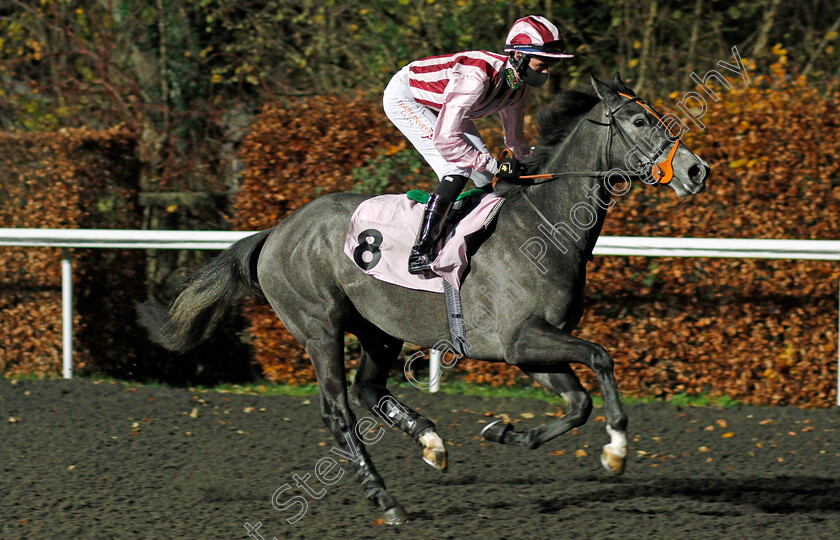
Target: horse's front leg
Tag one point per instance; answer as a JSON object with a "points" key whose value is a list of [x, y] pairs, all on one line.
{"points": [[542, 348]]}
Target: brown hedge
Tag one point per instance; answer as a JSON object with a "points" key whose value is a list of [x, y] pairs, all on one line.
{"points": [[75, 178], [763, 332]]}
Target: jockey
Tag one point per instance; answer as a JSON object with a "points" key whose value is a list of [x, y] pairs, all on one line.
{"points": [[434, 101]]}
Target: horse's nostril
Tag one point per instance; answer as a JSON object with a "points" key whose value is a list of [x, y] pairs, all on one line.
{"points": [[697, 173]]}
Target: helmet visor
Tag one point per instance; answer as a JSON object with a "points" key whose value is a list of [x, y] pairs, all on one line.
{"points": [[553, 49]]}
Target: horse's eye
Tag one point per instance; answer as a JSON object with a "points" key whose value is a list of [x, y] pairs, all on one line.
{"points": [[639, 122]]}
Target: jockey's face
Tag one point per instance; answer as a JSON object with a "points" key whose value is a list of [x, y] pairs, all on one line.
{"points": [[539, 65]]}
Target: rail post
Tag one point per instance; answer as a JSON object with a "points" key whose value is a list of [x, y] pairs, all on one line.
{"points": [[67, 314], [434, 370]]}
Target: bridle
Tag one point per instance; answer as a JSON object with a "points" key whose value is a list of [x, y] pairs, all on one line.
{"points": [[662, 171]]}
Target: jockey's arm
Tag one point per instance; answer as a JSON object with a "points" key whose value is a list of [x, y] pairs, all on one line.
{"points": [[459, 98], [513, 122]]}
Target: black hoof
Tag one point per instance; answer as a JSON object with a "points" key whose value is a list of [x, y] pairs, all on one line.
{"points": [[495, 431], [395, 516]]}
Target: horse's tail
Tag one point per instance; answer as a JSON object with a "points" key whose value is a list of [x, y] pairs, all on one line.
{"points": [[210, 292]]}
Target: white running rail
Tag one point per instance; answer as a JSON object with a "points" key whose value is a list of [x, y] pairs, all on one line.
{"points": [[828, 250]]}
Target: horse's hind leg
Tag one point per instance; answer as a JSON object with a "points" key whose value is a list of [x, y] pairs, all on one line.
{"points": [[564, 383], [328, 358], [379, 351]]}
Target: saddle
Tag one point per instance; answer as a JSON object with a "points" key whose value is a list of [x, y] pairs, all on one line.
{"points": [[383, 229]]}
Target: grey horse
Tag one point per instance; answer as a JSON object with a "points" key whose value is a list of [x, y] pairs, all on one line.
{"points": [[523, 295]]}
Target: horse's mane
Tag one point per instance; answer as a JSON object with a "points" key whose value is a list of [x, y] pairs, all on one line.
{"points": [[554, 123]]}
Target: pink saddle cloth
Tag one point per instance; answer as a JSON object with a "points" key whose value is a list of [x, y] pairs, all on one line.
{"points": [[383, 230]]}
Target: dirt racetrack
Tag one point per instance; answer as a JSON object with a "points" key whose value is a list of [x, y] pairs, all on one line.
{"points": [[82, 459]]}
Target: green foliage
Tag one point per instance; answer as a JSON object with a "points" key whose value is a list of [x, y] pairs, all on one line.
{"points": [[386, 169], [703, 400]]}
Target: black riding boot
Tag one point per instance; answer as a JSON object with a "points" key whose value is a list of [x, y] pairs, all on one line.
{"points": [[434, 220]]}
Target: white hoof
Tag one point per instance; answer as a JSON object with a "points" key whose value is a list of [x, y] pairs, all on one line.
{"points": [[434, 451], [613, 462]]}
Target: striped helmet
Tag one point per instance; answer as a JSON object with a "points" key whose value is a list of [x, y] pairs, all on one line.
{"points": [[536, 36]]}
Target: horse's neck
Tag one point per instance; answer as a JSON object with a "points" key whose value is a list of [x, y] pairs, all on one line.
{"points": [[569, 200]]}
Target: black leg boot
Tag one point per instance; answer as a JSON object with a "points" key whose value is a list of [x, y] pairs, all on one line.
{"points": [[431, 227]]}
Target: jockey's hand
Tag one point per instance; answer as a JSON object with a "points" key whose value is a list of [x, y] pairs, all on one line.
{"points": [[510, 169]]}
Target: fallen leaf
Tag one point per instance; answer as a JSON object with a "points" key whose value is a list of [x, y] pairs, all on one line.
{"points": [[580, 453], [721, 422], [728, 435], [194, 413], [765, 422], [527, 415], [557, 453], [704, 449]]}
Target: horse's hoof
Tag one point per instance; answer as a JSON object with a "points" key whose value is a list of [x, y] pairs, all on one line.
{"points": [[495, 431], [613, 462], [434, 451], [395, 516]]}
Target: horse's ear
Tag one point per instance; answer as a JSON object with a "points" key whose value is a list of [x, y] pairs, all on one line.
{"points": [[618, 83], [609, 96]]}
